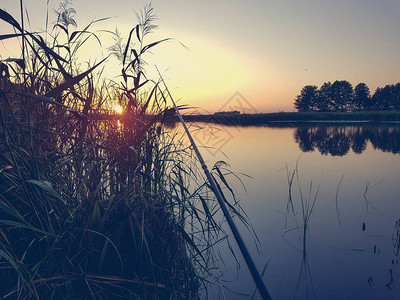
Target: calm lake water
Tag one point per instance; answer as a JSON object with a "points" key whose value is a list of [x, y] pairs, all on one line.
{"points": [[353, 229]]}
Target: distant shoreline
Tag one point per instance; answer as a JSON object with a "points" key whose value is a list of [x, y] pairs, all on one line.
{"points": [[297, 118]]}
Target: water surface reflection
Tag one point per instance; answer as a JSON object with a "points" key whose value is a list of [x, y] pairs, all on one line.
{"points": [[347, 245], [337, 140]]}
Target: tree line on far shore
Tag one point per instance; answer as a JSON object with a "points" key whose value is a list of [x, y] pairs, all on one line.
{"points": [[340, 96]]}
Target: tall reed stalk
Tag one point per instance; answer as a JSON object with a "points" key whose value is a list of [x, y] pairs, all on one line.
{"points": [[305, 204]]}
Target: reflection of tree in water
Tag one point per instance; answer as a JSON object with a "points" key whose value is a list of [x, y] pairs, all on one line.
{"points": [[359, 141], [337, 141], [387, 140]]}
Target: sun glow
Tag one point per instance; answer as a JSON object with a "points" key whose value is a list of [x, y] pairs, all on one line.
{"points": [[118, 109]]}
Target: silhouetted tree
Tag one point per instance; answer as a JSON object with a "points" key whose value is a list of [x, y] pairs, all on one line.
{"points": [[362, 97], [324, 97], [376, 99], [342, 95], [307, 99], [395, 103], [382, 98]]}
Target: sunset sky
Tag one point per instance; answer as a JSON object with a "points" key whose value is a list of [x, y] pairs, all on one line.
{"points": [[265, 50]]}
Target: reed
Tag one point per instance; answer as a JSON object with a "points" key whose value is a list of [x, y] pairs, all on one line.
{"points": [[95, 204], [305, 203]]}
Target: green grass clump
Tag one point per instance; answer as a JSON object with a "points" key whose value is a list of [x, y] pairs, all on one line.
{"points": [[94, 204]]}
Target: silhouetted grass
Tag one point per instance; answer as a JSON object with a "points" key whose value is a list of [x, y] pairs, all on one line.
{"points": [[93, 206]]}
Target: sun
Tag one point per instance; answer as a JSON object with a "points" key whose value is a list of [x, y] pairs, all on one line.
{"points": [[118, 108]]}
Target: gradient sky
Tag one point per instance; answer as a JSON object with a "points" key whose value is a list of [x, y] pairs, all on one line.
{"points": [[266, 50]]}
